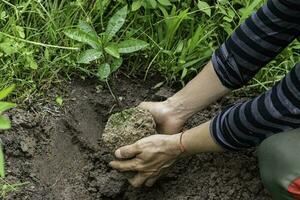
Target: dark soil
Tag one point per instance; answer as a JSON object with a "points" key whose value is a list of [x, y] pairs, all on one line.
{"points": [[60, 153]]}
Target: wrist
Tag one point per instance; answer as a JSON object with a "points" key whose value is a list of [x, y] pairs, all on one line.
{"points": [[176, 107], [177, 145], [174, 144]]}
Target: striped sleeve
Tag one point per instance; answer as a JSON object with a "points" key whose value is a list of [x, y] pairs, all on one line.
{"points": [[264, 35], [257, 41], [247, 124]]}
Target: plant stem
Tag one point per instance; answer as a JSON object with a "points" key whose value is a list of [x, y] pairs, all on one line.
{"points": [[39, 43], [113, 94], [116, 98]]}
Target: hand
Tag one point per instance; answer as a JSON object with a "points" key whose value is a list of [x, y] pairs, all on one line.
{"points": [[149, 157], [167, 116]]}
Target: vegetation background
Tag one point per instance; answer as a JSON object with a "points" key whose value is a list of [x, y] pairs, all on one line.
{"points": [[35, 52]]}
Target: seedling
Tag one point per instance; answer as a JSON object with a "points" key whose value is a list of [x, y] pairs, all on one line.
{"points": [[104, 48]]}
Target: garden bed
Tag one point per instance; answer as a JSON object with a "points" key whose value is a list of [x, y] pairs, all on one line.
{"points": [[58, 151]]}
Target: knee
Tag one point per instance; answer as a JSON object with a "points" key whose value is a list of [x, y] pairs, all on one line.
{"points": [[270, 157], [275, 155]]}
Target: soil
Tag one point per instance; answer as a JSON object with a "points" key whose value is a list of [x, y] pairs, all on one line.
{"points": [[59, 152], [127, 127]]}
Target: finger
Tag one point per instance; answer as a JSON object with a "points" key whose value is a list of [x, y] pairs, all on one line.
{"points": [[150, 182], [128, 151], [139, 179], [125, 165]]}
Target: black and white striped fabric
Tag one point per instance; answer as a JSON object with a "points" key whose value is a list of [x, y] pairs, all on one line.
{"points": [[256, 42]]}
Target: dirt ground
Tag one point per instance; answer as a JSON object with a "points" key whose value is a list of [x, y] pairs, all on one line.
{"points": [[58, 150]]}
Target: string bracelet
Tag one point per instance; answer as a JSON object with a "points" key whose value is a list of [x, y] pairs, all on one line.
{"points": [[181, 146]]}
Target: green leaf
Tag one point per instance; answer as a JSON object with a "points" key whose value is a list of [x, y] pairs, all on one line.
{"points": [[116, 65], [31, 62], [8, 47], [2, 162], [89, 55], [59, 100], [20, 31], [4, 123], [104, 71], [112, 50], [85, 27], [81, 36], [204, 7], [6, 106], [131, 45], [136, 5], [184, 73], [165, 2], [5, 92], [116, 22], [153, 3]]}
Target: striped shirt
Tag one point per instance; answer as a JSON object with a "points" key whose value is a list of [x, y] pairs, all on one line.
{"points": [[252, 46]]}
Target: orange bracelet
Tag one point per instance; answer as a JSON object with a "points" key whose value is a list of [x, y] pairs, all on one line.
{"points": [[182, 148]]}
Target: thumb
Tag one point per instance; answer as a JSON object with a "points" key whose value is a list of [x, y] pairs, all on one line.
{"points": [[128, 151]]}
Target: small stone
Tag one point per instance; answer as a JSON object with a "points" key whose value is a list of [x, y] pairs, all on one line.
{"points": [[24, 146], [127, 127]]}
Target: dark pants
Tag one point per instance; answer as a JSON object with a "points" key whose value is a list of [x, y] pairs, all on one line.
{"points": [[279, 161]]}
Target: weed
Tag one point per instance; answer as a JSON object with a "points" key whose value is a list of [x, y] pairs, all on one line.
{"points": [[103, 47]]}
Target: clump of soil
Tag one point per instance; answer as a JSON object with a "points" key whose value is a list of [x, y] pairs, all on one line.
{"points": [[127, 127]]}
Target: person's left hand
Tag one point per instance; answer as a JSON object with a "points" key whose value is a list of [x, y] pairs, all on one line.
{"points": [[149, 157]]}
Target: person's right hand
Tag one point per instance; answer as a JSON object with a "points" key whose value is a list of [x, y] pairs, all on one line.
{"points": [[165, 117], [150, 157]]}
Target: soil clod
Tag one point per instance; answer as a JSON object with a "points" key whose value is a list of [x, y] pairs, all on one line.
{"points": [[127, 127]]}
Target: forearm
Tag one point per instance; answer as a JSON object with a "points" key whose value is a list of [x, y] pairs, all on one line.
{"points": [[247, 124], [256, 42], [204, 89], [198, 140]]}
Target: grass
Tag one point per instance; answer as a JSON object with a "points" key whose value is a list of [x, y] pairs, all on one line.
{"points": [[35, 53], [6, 187]]}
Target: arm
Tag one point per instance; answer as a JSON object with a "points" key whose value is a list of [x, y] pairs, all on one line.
{"points": [[254, 44], [247, 124], [171, 114], [203, 90]]}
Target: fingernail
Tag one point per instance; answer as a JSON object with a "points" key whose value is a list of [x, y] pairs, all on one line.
{"points": [[118, 153]]}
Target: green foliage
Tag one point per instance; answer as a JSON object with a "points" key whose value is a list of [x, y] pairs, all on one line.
{"points": [[150, 4], [105, 50], [59, 100], [4, 106], [204, 7], [4, 122], [39, 40], [115, 23]]}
